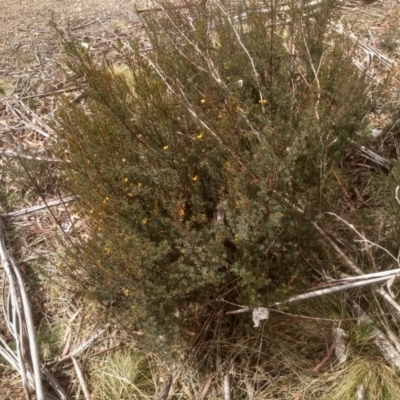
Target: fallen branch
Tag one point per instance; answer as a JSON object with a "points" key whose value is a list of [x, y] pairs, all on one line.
{"points": [[29, 210], [81, 379], [227, 387], [372, 156], [165, 388], [18, 317], [20, 116], [369, 50], [389, 352], [11, 153], [20, 307], [80, 348], [357, 270], [337, 286]]}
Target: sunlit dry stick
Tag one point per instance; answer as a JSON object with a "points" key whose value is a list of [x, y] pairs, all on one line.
{"points": [[29, 210], [81, 379], [13, 272]]}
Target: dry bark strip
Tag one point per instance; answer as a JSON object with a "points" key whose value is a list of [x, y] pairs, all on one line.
{"points": [[384, 345], [18, 316]]}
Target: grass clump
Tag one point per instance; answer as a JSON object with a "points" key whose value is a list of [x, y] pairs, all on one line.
{"points": [[5, 88], [366, 376], [123, 375], [200, 170]]}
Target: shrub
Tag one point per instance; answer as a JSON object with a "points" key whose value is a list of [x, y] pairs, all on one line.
{"points": [[200, 166]]}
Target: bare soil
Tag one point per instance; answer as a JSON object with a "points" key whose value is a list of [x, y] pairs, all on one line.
{"points": [[26, 38], [27, 41]]}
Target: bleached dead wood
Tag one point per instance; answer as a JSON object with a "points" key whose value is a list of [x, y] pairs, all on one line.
{"points": [[382, 292], [372, 156], [20, 321], [371, 52], [11, 153], [26, 116], [337, 286], [81, 379], [227, 387], [18, 317], [81, 348], [29, 210], [384, 345]]}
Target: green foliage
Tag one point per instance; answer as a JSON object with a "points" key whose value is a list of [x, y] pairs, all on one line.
{"points": [[200, 164], [378, 380]]}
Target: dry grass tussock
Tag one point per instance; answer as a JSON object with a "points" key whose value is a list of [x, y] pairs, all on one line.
{"points": [[290, 356]]}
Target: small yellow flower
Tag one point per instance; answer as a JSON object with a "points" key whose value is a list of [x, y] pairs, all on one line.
{"points": [[92, 211], [200, 135], [194, 179], [130, 194], [126, 180], [242, 111], [139, 184], [126, 292], [165, 147], [144, 221], [202, 101], [263, 101]]}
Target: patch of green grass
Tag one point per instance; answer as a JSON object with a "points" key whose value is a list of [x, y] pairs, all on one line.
{"points": [[123, 375], [378, 380], [50, 341]]}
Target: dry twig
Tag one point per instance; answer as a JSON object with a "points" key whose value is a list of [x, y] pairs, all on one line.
{"points": [[81, 379], [18, 317], [32, 209]]}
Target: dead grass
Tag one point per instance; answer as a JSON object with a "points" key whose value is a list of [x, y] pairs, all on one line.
{"points": [[124, 374], [276, 361]]}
